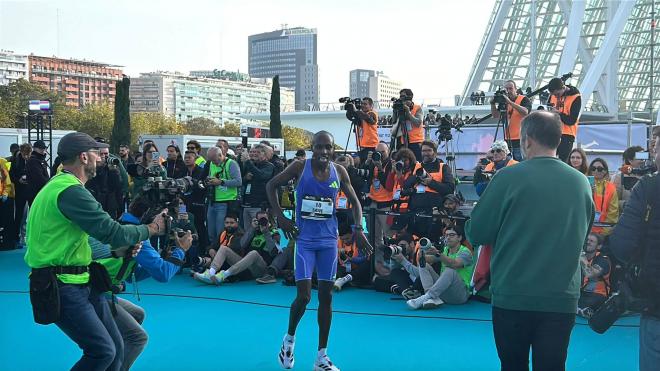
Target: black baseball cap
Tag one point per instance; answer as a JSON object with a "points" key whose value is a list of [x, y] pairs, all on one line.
{"points": [[75, 143], [39, 144]]}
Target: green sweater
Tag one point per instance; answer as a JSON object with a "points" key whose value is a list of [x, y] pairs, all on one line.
{"points": [[536, 215]]}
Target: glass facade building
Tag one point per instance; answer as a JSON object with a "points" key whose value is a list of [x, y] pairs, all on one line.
{"points": [[292, 54]]}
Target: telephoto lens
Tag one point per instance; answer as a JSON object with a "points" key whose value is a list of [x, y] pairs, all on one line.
{"points": [[398, 166], [377, 156], [425, 243]]}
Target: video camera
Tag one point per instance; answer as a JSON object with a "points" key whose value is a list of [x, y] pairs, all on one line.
{"points": [[399, 102], [357, 102], [499, 100], [629, 170]]}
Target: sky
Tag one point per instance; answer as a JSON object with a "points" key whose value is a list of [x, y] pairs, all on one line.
{"points": [[430, 46]]}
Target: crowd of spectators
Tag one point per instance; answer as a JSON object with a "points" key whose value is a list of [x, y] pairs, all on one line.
{"points": [[411, 205]]}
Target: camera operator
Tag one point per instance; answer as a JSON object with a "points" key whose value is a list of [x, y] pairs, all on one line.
{"points": [[106, 185], [259, 247], [637, 234], [517, 107], [486, 169], [224, 181], [595, 268], [256, 173], [567, 102], [452, 285], [413, 118], [431, 182], [62, 216], [142, 262], [392, 277], [628, 176], [366, 126], [196, 200], [174, 163], [380, 194]]}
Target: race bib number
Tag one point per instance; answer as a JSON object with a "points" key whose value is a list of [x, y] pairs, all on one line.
{"points": [[342, 203], [316, 208]]}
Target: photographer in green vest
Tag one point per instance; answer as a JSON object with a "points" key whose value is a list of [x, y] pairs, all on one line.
{"points": [[65, 286]]}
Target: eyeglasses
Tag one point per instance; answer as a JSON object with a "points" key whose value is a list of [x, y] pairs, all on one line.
{"points": [[597, 168], [192, 148]]}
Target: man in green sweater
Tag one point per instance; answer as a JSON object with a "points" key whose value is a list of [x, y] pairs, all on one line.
{"points": [[536, 215], [61, 218]]}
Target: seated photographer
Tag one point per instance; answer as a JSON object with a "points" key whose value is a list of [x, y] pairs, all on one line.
{"points": [[366, 125], [431, 182], [106, 185], [485, 170], [282, 264], [605, 197], [628, 174], [352, 266], [230, 237], [398, 251], [451, 286], [595, 269], [260, 241], [174, 165], [449, 216], [256, 173], [143, 262]]}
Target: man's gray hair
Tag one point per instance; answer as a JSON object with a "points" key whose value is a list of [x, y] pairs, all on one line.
{"points": [[542, 126], [213, 149]]}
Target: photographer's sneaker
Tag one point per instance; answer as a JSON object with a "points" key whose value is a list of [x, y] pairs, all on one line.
{"points": [[418, 302], [203, 277], [339, 283], [266, 279], [285, 358], [218, 278], [432, 303], [324, 364], [411, 293]]}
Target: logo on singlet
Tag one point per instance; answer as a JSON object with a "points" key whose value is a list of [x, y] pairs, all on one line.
{"points": [[334, 185]]}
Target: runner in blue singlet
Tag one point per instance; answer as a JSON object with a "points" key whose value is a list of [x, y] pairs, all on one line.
{"points": [[315, 230]]}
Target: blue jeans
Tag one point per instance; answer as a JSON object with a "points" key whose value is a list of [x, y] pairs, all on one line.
{"points": [[215, 220], [87, 320], [516, 153], [649, 343]]}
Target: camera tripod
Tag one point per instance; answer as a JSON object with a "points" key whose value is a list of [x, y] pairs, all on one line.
{"points": [[401, 127], [504, 123], [353, 129]]}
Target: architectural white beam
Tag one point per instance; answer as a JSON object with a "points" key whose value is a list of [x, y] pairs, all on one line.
{"points": [[487, 49], [606, 49], [573, 34]]}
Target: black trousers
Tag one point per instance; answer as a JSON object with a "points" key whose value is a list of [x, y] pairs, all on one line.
{"points": [[416, 148], [547, 333], [565, 147]]}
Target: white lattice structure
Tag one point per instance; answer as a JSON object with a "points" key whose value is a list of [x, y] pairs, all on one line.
{"points": [[606, 44]]}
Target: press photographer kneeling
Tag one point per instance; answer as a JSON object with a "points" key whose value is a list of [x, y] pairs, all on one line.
{"points": [[66, 287], [135, 264]]}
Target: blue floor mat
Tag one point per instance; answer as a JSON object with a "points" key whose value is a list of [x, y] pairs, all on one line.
{"points": [[240, 327]]}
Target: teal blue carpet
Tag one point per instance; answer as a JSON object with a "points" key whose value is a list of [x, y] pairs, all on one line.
{"points": [[240, 327]]}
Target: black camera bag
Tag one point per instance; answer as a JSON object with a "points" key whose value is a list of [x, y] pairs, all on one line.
{"points": [[44, 295]]}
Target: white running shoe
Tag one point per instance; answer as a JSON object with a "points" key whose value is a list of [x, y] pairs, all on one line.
{"points": [[339, 283], [203, 277], [285, 358], [417, 303], [432, 303], [324, 364], [218, 278]]}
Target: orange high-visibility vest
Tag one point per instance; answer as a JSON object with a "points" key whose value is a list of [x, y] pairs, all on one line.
{"points": [[515, 118], [415, 133], [602, 202], [341, 201], [564, 106], [603, 284], [379, 194], [435, 176], [491, 165], [368, 133]]}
